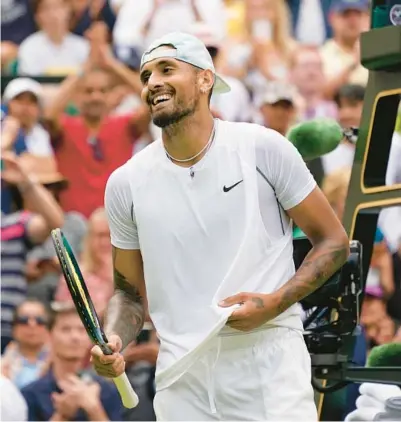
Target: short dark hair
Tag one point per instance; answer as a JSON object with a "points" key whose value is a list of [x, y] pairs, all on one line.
{"points": [[60, 308], [34, 301], [350, 92]]}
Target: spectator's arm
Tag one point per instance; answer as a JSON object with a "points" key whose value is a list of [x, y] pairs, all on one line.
{"points": [[60, 101], [195, 11], [48, 214], [386, 274], [8, 53], [333, 85], [127, 76], [108, 15], [130, 19], [148, 352]]}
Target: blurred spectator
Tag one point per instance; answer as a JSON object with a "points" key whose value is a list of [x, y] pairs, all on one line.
{"points": [[43, 269], [380, 275], [308, 77], [53, 50], [95, 263], [140, 358], [83, 13], [307, 14], [264, 53], [235, 106], [349, 100], [389, 219], [95, 141], [23, 99], [378, 325], [13, 406], [20, 231], [17, 23], [341, 55], [26, 357], [278, 108], [66, 392], [393, 175], [394, 308], [335, 188], [139, 23]]}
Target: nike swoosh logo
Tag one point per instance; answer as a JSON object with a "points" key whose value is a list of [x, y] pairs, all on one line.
{"points": [[227, 189]]}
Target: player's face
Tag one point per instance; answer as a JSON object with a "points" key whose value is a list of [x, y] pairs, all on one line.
{"points": [[170, 89]]}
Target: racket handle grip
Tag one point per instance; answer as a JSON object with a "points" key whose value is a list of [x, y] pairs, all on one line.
{"points": [[127, 393]]}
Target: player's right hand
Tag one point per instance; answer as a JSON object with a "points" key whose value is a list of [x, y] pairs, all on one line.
{"points": [[109, 366]]}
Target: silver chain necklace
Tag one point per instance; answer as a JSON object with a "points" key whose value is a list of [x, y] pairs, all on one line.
{"points": [[186, 160]]}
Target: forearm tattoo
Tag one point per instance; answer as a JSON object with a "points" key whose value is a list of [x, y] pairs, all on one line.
{"points": [[318, 266], [125, 312]]}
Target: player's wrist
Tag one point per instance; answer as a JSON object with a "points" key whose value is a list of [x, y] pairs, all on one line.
{"points": [[273, 299]]}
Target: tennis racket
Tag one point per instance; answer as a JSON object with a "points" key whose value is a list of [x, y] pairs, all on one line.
{"points": [[83, 303]]}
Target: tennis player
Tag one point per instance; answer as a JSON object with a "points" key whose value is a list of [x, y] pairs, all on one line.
{"points": [[201, 230]]}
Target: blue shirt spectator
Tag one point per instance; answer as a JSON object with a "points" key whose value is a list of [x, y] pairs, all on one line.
{"points": [[38, 396], [17, 21], [82, 21]]}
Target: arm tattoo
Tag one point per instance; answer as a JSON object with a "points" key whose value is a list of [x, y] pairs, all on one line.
{"points": [[125, 313], [319, 265]]}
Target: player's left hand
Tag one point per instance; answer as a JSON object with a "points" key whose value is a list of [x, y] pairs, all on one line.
{"points": [[255, 310]]}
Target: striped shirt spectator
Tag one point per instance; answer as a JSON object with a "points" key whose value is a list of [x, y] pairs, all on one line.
{"points": [[15, 245]]}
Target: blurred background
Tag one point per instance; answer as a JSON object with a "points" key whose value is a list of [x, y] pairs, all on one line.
{"points": [[71, 114]]}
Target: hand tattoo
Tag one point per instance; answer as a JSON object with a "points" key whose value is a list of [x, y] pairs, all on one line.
{"points": [[258, 302]]}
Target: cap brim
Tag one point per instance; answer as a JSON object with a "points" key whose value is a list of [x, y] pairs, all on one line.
{"points": [[343, 8], [220, 85], [275, 100]]}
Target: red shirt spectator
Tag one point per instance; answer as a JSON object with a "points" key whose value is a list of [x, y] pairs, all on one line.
{"points": [[88, 160], [90, 146]]}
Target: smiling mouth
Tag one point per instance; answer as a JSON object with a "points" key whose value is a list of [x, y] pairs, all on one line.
{"points": [[160, 99]]}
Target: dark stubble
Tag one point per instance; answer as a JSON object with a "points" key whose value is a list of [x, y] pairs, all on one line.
{"points": [[179, 113]]}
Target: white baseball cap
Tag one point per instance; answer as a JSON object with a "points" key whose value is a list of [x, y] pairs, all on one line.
{"points": [[20, 85], [186, 48], [278, 91]]}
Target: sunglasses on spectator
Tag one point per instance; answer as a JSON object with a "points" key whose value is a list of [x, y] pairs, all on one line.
{"points": [[97, 152], [24, 320]]}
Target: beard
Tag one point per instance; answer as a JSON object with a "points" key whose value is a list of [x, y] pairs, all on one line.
{"points": [[167, 118], [162, 120]]}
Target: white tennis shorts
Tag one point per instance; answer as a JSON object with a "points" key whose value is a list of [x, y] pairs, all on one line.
{"points": [[263, 375]]}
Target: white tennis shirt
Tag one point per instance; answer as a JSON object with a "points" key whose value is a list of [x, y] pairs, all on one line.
{"points": [[204, 238]]}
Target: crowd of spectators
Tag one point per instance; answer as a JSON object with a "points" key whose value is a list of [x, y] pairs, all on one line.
{"points": [[287, 61]]}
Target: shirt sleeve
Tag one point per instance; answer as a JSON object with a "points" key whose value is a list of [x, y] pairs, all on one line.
{"points": [[284, 168], [120, 210]]}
